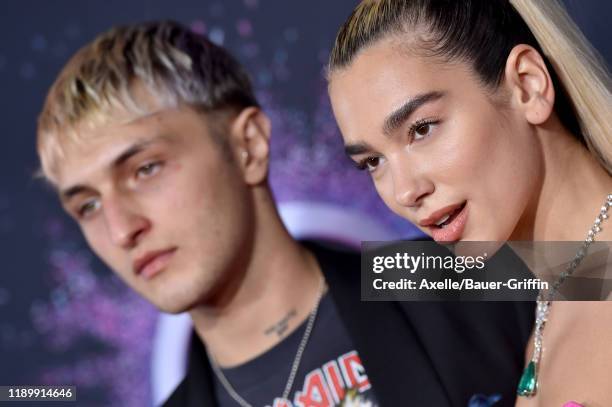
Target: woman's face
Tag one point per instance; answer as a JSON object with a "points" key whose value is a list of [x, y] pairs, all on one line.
{"points": [[441, 153]]}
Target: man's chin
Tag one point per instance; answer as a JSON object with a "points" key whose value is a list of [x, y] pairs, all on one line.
{"points": [[169, 303], [172, 307], [172, 298]]}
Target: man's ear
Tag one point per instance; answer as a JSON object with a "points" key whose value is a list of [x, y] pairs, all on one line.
{"points": [[530, 84], [250, 134]]}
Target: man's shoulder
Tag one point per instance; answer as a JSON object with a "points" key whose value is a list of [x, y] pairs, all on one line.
{"points": [[196, 388], [178, 396], [434, 321]]}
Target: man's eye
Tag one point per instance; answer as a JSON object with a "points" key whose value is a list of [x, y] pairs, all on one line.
{"points": [[148, 170], [88, 208]]}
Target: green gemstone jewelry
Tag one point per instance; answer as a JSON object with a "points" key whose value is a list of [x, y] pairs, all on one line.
{"points": [[528, 385]]}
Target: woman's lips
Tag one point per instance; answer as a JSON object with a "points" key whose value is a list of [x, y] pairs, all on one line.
{"points": [[451, 232], [438, 215], [155, 264]]}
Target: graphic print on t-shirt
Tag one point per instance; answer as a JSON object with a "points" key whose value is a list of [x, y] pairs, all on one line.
{"points": [[341, 381], [330, 373]]}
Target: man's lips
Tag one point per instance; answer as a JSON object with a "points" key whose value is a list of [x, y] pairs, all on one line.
{"points": [[152, 262]]}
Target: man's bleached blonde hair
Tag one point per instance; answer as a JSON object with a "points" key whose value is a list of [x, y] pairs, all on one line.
{"points": [[174, 64]]}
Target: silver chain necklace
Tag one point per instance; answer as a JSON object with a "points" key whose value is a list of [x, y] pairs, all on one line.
{"points": [[296, 360], [528, 385]]}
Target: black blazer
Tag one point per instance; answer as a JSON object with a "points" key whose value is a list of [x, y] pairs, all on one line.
{"points": [[416, 354]]}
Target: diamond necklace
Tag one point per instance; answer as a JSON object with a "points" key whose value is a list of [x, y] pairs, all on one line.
{"points": [[528, 385], [296, 360]]}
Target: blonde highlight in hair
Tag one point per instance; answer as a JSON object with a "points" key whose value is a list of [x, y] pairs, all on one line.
{"points": [[580, 69], [163, 59], [482, 33]]}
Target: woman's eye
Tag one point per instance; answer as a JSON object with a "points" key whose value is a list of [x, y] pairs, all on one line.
{"points": [[422, 130], [370, 163], [148, 170]]}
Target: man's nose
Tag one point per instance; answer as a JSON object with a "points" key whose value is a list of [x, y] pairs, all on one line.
{"points": [[125, 224]]}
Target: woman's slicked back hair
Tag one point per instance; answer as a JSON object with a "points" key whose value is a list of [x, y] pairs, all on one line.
{"points": [[482, 33]]}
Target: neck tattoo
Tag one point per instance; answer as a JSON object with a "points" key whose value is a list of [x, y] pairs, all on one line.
{"points": [[281, 326], [296, 360]]}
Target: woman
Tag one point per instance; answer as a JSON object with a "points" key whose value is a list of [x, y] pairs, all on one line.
{"points": [[489, 121]]}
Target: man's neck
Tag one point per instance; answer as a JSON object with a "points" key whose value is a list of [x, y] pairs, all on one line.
{"points": [[278, 289]]}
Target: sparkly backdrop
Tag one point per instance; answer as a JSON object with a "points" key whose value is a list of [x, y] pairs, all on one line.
{"points": [[64, 318]]}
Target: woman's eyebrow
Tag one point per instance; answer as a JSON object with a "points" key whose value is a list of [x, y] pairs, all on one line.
{"points": [[403, 113], [356, 149]]}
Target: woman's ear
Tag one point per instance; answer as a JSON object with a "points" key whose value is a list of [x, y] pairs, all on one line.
{"points": [[530, 83], [250, 136]]}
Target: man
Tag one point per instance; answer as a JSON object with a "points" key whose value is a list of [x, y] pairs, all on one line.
{"points": [[156, 144]]}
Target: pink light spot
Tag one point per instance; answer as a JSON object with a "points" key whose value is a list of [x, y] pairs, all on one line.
{"points": [[244, 27], [198, 27]]}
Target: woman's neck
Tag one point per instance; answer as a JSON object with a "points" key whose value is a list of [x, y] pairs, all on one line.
{"points": [[573, 188]]}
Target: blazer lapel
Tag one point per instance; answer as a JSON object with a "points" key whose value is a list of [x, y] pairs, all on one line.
{"points": [[396, 363], [200, 385]]}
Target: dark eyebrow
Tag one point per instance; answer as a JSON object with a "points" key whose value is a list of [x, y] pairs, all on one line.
{"points": [[355, 149], [396, 119], [131, 151], [401, 114]]}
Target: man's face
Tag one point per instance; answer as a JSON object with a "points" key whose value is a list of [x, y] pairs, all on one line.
{"points": [[161, 203], [441, 153]]}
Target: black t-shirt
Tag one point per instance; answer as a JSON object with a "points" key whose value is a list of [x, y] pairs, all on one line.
{"points": [[330, 370], [440, 354]]}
